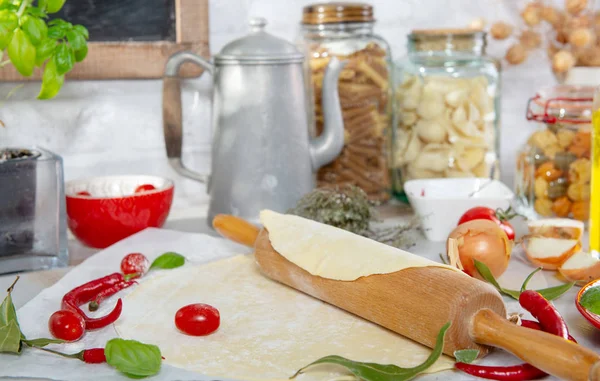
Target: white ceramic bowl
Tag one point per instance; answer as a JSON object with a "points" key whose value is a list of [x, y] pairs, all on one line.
{"points": [[439, 203]]}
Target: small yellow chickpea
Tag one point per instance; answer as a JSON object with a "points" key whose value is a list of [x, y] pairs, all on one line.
{"points": [[501, 30], [581, 37], [532, 14], [516, 54], [563, 61], [579, 191], [530, 39], [565, 137], [551, 15], [575, 6], [540, 187], [543, 206]]}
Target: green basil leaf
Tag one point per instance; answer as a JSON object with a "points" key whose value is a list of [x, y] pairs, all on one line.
{"points": [[56, 32], [76, 40], [377, 372], [7, 311], [133, 358], [82, 30], [10, 338], [81, 54], [552, 293], [36, 11], [42, 4], [466, 355], [526, 282], [169, 260], [51, 81], [53, 6], [42, 342], [44, 51], [35, 28], [590, 300], [8, 6], [8, 23], [22, 53], [64, 59]]}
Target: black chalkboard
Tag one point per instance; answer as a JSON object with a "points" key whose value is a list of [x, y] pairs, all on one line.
{"points": [[122, 20]]}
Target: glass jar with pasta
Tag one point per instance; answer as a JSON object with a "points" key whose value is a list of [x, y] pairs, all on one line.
{"points": [[447, 107], [553, 173], [345, 31]]}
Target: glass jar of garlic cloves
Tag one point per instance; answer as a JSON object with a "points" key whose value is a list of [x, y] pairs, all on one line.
{"points": [[345, 31], [447, 108]]}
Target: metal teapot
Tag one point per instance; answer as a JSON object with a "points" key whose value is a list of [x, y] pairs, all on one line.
{"points": [[262, 154]]}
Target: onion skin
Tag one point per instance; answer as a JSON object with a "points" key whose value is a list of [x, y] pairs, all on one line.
{"points": [[485, 241]]}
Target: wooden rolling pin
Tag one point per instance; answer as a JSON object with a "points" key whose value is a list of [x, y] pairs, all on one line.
{"points": [[417, 302]]}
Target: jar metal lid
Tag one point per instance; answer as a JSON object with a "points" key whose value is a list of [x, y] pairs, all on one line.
{"points": [[446, 31], [337, 12], [258, 47], [567, 104]]}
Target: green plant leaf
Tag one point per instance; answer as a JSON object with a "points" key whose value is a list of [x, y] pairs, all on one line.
{"points": [[51, 81], [487, 275], [555, 292], [526, 282], [42, 4], [590, 300], [53, 6], [22, 53], [377, 372], [36, 11], [35, 28], [466, 355], [10, 338], [56, 32], [133, 358], [8, 23], [42, 342], [169, 260], [81, 54], [44, 51], [82, 30], [7, 311], [76, 40], [64, 58], [549, 293]]}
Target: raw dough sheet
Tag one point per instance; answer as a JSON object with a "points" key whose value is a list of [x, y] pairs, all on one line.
{"points": [[267, 332]]}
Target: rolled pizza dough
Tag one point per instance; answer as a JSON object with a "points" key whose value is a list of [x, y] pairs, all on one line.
{"points": [[268, 331], [334, 253]]}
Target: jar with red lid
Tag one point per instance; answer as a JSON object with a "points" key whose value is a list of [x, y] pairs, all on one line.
{"points": [[553, 168]]}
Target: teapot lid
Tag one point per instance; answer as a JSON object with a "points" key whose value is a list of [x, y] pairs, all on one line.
{"points": [[258, 47]]}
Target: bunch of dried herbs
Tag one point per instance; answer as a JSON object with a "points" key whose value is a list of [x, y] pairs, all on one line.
{"points": [[347, 207]]}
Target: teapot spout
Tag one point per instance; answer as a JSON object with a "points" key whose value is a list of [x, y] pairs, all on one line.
{"points": [[328, 146]]}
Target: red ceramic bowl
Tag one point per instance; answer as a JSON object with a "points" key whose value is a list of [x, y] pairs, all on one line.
{"points": [[590, 316], [104, 210]]}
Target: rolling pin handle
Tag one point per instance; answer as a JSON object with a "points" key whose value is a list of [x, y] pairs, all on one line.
{"points": [[550, 353]]}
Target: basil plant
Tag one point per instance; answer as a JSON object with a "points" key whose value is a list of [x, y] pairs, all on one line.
{"points": [[31, 41]]}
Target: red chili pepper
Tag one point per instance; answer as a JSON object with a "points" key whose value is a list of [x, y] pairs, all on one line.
{"points": [[521, 372], [544, 312], [549, 321], [88, 291], [107, 292], [89, 356], [94, 356], [535, 325]]}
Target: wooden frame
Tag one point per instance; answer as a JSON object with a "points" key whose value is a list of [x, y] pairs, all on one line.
{"points": [[139, 60]]}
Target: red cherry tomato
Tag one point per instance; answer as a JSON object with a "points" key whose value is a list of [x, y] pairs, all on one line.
{"points": [[66, 325], [197, 319], [83, 193], [135, 263], [499, 216], [144, 188]]}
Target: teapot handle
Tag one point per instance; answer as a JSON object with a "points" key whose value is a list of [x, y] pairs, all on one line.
{"points": [[172, 113]]}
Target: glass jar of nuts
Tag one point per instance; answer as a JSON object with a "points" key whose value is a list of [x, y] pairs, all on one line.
{"points": [[345, 31], [553, 168], [447, 107]]}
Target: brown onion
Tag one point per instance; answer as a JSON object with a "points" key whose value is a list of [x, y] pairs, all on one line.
{"points": [[482, 240]]}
